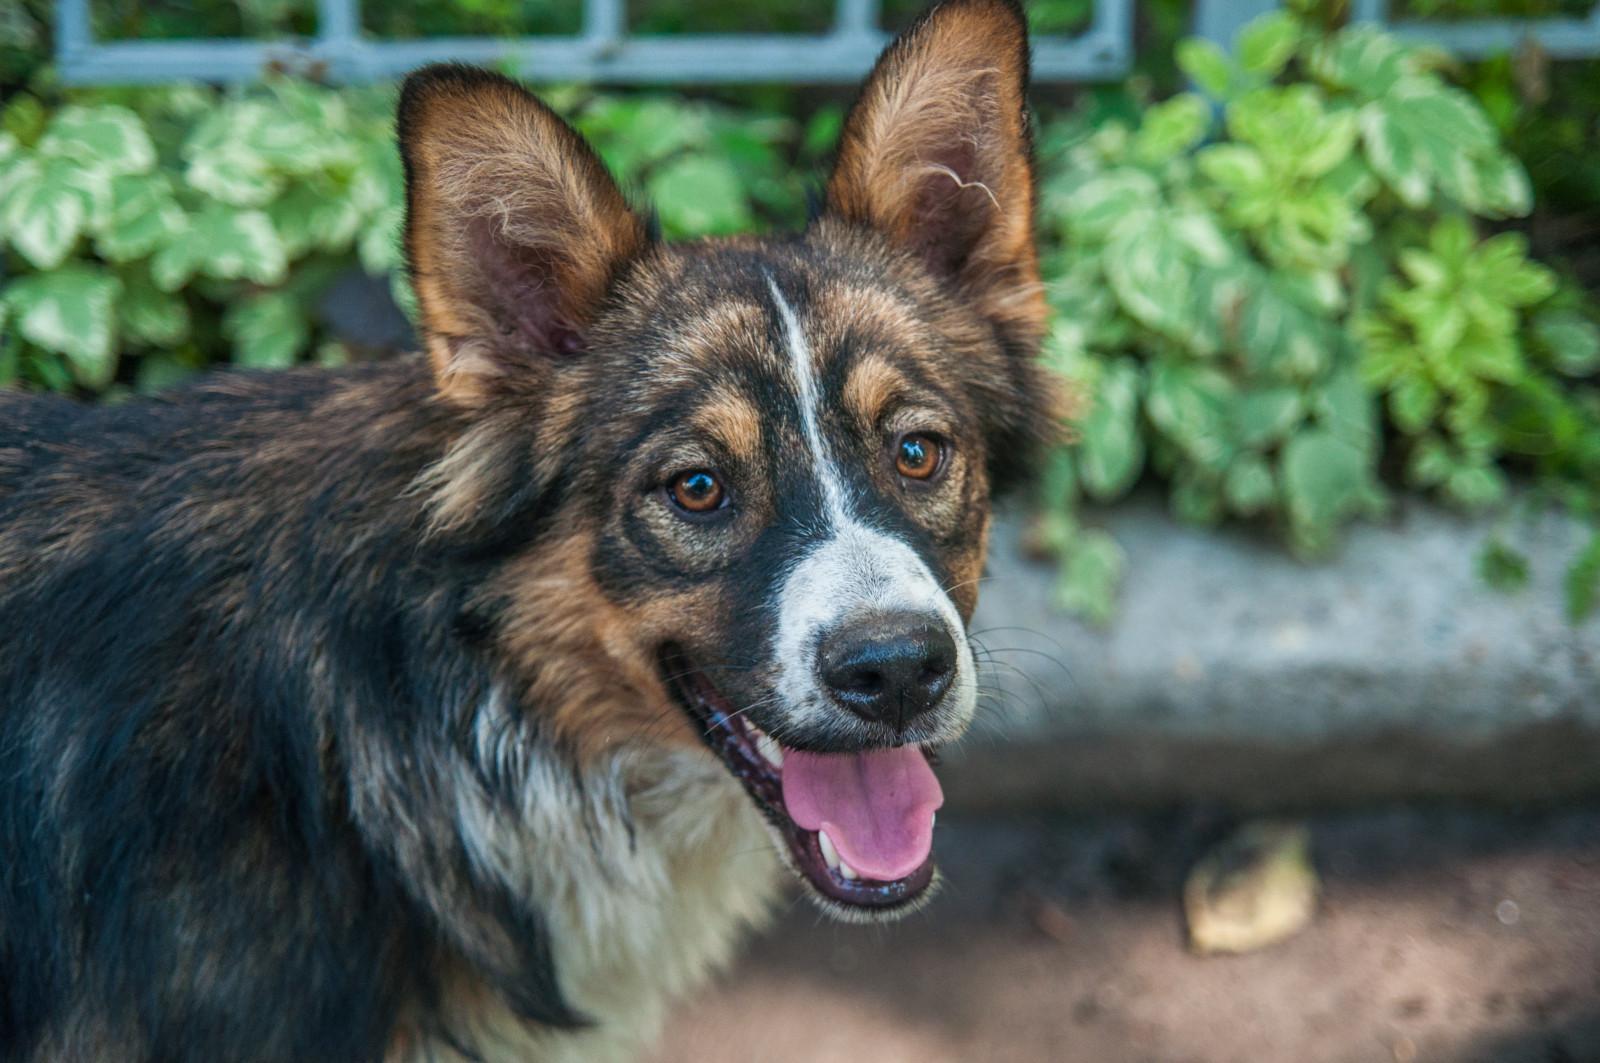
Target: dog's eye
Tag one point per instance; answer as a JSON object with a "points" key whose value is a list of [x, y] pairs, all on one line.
{"points": [[698, 491], [916, 456]]}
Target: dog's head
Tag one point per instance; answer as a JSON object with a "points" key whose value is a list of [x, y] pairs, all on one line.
{"points": [[753, 475]]}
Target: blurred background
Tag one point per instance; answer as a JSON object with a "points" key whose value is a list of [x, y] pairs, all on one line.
{"points": [[1291, 737]]}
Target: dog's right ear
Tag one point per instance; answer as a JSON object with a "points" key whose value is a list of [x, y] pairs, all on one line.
{"points": [[514, 230]]}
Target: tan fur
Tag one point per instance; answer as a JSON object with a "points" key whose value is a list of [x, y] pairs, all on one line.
{"points": [[873, 383], [586, 660], [731, 418]]}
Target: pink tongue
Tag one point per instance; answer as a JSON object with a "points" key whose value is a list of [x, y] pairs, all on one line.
{"points": [[877, 807]]}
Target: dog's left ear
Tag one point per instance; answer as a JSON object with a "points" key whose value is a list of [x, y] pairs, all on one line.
{"points": [[514, 230], [937, 154]]}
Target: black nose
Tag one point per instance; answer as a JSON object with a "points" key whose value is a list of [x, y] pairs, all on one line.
{"points": [[890, 668]]}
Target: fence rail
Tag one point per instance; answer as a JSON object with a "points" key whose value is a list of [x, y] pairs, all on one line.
{"points": [[1561, 38], [603, 52]]}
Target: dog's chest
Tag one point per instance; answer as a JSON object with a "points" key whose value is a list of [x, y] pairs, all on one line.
{"points": [[673, 867]]}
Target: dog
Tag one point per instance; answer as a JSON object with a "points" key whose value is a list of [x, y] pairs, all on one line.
{"points": [[470, 706]]}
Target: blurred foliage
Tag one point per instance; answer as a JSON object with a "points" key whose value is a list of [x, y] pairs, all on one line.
{"points": [[150, 229], [1269, 287], [152, 232]]}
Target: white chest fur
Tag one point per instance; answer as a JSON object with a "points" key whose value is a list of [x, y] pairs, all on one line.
{"points": [[647, 875]]}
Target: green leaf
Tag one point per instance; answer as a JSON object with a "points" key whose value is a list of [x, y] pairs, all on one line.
{"points": [[1571, 340], [109, 138], [1363, 59], [1414, 402], [1152, 273], [1058, 483], [1090, 571], [1267, 43], [822, 131], [1475, 486], [1192, 405], [1198, 497], [1239, 166], [23, 119], [1281, 336], [1249, 486], [234, 175], [149, 315], [268, 330], [1513, 278], [1346, 408], [1501, 185], [1422, 133], [1111, 452], [699, 195], [314, 214], [241, 153], [1430, 463], [1326, 479], [379, 244], [1206, 66], [71, 310], [225, 243], [143, 217], [1095, 207], [1582, 583], [1501, 567], [1266, 416], [1395, 155], [1422, 269], [1171, 128], [43, 212]]}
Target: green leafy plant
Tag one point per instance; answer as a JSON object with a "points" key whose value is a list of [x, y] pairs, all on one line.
{"points": [[153, 224], [1243, 274], [151, 233]]}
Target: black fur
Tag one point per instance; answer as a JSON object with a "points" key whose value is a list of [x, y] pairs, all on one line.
{"points": [[175, 844]]}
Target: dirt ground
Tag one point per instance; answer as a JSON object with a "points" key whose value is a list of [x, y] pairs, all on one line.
{"points": [[1448, 936]]}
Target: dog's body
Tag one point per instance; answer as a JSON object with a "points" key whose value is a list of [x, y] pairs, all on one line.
{"points": [[416, 711]]}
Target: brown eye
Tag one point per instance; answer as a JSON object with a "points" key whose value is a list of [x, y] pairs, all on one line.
{"points": [[917, 457], [698, 491]]}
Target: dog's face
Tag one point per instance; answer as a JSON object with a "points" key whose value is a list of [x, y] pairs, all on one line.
{"points": [[761, 467]]}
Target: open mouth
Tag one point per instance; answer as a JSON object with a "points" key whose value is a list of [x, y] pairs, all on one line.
{"points": [[858, 826]]}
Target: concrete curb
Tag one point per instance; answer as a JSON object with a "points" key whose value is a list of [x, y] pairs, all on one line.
{"points": [[1236, 674]]}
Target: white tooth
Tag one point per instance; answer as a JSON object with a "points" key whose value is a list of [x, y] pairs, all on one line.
{"points": [[846, 871], [934, 820], [829, 853], [769, 749]]}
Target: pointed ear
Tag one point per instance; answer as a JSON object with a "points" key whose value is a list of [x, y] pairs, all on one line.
{"points": [[514, 230], [937, 154]]}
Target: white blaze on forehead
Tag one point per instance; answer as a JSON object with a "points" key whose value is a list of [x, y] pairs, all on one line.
{"points": [[805, 376], [853, 569]]}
